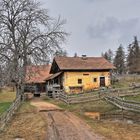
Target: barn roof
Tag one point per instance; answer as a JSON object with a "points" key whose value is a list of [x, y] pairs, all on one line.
{"points": [[82, 63], [53, 76], [37, 73]]}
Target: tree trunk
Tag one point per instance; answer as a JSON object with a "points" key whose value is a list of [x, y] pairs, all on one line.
{"points": [[0, 90]]}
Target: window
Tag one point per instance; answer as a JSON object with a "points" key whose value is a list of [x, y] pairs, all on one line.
{"points": [[79, 81], [94, 79], [85, 74]]}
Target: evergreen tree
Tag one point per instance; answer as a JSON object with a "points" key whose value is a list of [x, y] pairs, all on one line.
{"points": [[133, 58], [108, 55], [119, 60], [130, 59], [105, 55]]}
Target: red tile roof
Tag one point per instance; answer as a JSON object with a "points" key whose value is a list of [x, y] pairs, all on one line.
{"points": [[79, 63], [37, 73]]}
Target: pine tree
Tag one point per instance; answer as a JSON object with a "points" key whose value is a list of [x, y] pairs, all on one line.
{"points": [[133, 58], [108, 55], [119, 60], [130, 59]]}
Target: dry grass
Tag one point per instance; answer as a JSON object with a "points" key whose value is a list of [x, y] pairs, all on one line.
{"points": [[126, 81], [134, 98], [7, 96], [111, 129], [95, 106], [115, 130], [27, 124]]}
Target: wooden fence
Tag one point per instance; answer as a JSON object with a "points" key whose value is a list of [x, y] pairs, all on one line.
{"points": [[123, 104], [132, 101], [94, 95], [129, 77], [112, 96], [79, 98], [121, 116], [5, 117], [121, 91]]}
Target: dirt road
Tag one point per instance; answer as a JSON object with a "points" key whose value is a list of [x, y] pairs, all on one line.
{"points": [[64, 125]]}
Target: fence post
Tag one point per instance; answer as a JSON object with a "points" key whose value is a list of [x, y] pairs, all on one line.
{"points": [[118, 93], [122, 113], [99, 94], [67, 99], [123, 106], [7, 116]]}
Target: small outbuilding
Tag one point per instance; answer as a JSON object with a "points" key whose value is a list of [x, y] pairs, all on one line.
{"points": [[36, 75]]}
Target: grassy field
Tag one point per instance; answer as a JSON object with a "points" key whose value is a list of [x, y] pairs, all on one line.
{"points": [[27, 123], [111, 129], [126, 81], [135, 98], [4, 106], [114, 130], [95, 106], [6, 98]]}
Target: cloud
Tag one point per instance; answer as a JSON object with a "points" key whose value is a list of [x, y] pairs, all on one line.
{"points": [[111, 27], [97, 25], [94, 0]]}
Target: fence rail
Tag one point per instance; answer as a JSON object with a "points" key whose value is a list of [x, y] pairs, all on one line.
{"points": [[5, 117], [78, 99], [96, 95], [126, 105], [122, 91], [121, 116]]}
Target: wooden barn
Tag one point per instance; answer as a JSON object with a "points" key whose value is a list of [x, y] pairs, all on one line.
{"points": [[36, 75], [78, 74]]}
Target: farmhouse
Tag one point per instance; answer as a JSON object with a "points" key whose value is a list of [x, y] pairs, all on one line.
{"points": [[78, 74], [36, 75]]}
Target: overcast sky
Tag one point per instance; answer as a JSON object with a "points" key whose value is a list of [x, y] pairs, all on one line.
{"points": [[97, 25]]}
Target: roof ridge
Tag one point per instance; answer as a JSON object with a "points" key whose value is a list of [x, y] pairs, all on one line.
{"points": [[91, 63]]}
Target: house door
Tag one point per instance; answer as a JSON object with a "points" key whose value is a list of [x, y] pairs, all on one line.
{"points": [[102, 81]]}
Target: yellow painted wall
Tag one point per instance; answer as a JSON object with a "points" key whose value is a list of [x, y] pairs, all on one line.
{"points": [[71, 80]]}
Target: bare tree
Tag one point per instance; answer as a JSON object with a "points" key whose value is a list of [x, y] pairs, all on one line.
{"points": [[27, 32], [61, 53], [1, 78]]}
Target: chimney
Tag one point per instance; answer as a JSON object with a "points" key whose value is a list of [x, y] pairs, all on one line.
{"points": [[84, 57], [75, 55]]}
